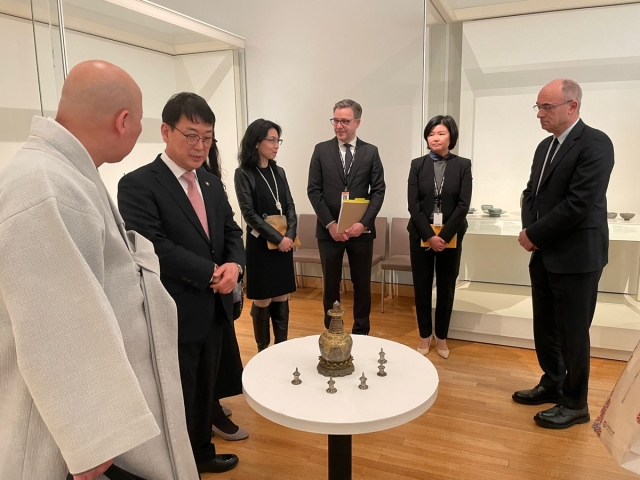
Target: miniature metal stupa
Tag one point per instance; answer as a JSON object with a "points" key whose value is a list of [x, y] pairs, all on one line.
{"points": [[335, 347]]}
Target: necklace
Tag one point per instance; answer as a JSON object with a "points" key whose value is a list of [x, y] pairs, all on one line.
{"points": [[276, 197]]}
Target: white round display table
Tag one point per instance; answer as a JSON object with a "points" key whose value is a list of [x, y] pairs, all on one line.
{"points": [[406, 392]]}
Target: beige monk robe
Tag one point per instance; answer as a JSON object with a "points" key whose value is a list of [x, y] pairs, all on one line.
{"points": [[84, 377]]}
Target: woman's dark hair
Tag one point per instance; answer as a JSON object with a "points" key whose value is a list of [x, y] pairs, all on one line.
{"points": [[192, 106], [256, 133], [449, 123], [212, 163]]}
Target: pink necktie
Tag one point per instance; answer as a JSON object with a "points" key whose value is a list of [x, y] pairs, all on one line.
{"points": [[196, 200]]}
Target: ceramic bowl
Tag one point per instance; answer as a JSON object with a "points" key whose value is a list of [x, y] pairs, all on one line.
{"points": [[472, 210], [494, 212], [627, 216], [611, 215], [485, 208]]}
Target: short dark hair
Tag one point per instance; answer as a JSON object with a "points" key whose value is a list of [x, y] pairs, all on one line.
{"points": [[192, 106], [256, 133], [449, 123]]}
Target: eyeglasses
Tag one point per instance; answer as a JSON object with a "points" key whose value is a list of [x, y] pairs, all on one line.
{"points": [[274, 140], [193, 139], [336, 121], [548, 107]]}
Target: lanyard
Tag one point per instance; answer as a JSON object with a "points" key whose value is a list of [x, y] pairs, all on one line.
{"points": [[276, 197], [438, 191]]}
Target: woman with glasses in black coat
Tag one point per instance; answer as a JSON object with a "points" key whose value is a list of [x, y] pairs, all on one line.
{"points": [[263, 190]]}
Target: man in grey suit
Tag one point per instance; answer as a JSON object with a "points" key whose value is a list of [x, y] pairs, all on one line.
{"points": [[346, 167]]}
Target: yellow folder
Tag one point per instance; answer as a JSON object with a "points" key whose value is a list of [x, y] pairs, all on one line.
{"points": [[351, 212], [452, 244]]}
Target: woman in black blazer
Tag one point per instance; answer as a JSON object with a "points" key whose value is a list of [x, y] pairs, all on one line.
{"points": [[439, 186], [263, 190]]}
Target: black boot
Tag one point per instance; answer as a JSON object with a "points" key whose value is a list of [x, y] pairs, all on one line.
{"points": [[280, 320], [260, 316]]}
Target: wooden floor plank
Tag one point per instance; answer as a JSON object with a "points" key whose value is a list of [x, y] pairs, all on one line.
{"points": [[473, 431]]}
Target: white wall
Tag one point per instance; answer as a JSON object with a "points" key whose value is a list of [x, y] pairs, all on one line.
{"points": [[302, 57], [19, 98]]}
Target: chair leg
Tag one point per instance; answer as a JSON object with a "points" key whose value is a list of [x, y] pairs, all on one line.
{"points": [[302, 275], [393, 291], [383, 291]]}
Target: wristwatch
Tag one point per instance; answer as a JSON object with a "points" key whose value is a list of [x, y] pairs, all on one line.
{"points": [[240, 270]]}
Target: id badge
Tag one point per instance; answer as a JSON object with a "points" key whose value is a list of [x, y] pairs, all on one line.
{"points": [[345, 196], [437, 219]]}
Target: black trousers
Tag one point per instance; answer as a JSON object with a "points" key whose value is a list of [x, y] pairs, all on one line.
{"points": [[199, 363], [447, 266], [563, 308], [360, 254]]}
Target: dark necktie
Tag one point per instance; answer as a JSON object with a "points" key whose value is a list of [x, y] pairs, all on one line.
{"points": [[548, 160], [348, 158]]}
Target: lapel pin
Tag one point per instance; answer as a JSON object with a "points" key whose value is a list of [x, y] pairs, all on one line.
{"points": [[206, 183]]}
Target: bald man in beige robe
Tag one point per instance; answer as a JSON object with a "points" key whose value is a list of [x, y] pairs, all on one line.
{"points": [[88, 340]]}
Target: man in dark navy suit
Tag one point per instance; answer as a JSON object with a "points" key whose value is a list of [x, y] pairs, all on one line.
{"points": [[564, 219], [184, 211]]}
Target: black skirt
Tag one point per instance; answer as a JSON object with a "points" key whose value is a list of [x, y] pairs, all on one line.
{"points": [[270, 273]]}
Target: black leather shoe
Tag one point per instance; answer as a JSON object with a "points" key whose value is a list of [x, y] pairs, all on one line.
{"points": [[537, 396], [219, 464], [561, 417]]}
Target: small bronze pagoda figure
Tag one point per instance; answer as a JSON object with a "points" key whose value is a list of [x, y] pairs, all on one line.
{"points": [[335, 347]]}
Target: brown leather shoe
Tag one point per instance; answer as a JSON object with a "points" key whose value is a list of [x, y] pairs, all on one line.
{"points": [[537, 396], [561, 417], [219, 464]]}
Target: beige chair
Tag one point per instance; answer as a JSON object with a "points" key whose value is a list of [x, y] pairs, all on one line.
{"points": [[379, 248], [308, 251], [398, 259]]}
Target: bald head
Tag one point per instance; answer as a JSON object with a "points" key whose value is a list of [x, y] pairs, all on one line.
{"points": [[101, 104], [559, 105], [97, 89]]}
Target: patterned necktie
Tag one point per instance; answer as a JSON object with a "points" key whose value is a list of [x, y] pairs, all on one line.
{"points": [[196, 200], [348, 158]]}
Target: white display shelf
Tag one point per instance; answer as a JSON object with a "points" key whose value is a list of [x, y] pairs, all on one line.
{"points": [[511, 225], [502, 315]]}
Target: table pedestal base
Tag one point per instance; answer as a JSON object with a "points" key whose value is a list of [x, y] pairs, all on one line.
{"points": [[339, 457]]}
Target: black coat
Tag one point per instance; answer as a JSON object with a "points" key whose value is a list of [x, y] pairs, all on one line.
{"points": [[567, 219], [153, 203], [456, 197], [327, 182], [245, 186]]}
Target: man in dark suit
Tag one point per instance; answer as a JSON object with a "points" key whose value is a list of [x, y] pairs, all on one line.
{"points": [[345, 166], [184, 211], [564, 215]]}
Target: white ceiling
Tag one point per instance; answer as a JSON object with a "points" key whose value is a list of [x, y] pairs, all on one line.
{"points": [[465, 10]]}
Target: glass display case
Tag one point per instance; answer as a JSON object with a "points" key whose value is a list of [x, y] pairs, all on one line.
{"points": [[164, 51]]}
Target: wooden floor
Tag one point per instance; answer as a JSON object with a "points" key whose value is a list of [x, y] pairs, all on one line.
{"points": [[473, 431]]}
